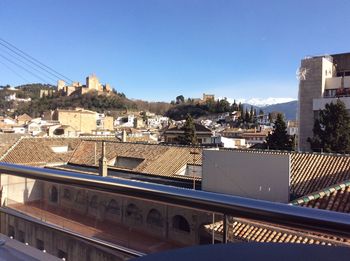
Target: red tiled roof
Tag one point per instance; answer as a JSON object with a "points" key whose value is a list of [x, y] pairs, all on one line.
{"points": [[157, 159], [198, 127], [334, 198], [38, 151], [247, 231], [7, 140], [312, 172]]}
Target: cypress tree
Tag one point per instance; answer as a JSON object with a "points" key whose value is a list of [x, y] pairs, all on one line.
{"points": [[190, 137], [279, 139]]}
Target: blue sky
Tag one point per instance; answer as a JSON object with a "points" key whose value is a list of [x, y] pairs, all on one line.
{"points": [[158, 49]]}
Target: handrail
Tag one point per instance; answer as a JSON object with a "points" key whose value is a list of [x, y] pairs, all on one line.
{"points": [[68, 232], [302, 218]]}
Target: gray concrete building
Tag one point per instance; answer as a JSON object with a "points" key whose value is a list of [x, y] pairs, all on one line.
{"points": [[322, 80]]}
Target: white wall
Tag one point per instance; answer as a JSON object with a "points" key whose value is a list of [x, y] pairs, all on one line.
{"points": [[19, 190], [247, 174], [319, 104], [333, 83]]}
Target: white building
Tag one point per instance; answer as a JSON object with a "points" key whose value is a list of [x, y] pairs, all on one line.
{"points": [[125, 121], [157, 122], [12, 97], [323, 79]]}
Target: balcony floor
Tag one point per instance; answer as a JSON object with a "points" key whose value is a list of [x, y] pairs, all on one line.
{"points": [[115, 233]]}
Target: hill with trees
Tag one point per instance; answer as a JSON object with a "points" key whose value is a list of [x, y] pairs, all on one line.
{"points": [[37, 105]]}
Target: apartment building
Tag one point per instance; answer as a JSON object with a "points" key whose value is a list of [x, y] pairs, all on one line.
{"points": [[322, 80]]}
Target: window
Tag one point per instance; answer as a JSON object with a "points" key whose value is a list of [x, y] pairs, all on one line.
{"points": [[113, 207], [134, 213], [60, 149], [66, 194], [61, 254], [21, 236], [154, 218], [53, 194], [11, 232], [94, 202], [80, 199], [58, 131], [40, 244], [127, 162], [180, 223]]}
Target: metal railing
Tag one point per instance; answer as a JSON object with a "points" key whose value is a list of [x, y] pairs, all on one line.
{"points": [[95, 241], [302, 218]]}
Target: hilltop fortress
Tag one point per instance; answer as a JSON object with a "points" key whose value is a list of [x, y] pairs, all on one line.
{"points": [[92, 84]]}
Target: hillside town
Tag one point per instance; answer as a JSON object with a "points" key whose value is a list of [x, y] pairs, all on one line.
{"points": [[188, 142], [217, 130]]}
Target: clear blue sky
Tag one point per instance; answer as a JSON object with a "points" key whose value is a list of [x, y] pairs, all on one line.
{"points": [[158, 49]]}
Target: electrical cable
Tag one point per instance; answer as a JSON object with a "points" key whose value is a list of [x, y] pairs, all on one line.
{"points": [[25, 69], [13, 71], [9, 46], [35, 69]]}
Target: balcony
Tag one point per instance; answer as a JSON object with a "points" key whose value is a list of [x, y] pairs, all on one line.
{"points": [[320, 103], [65, 212]]}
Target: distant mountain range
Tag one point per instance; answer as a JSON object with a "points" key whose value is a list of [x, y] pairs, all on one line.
{"points": [[261, 102], [289, 109]]}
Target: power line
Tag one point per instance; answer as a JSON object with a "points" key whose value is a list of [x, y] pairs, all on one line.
{"points": [[33, 59], [10, 69], [25, 69], [25, 58], [35, 69]]}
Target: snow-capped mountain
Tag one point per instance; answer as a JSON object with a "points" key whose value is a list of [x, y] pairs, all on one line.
{"points": [[262, 102]]}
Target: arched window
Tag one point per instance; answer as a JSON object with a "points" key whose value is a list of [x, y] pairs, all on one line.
{"points": [[66, 194], [154, 218], [133, 212], [113, 207], [180, 223], [80, 199], [94, 202], [53, 194]]}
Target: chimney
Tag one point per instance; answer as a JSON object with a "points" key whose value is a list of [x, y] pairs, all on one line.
{"points": [[103, 169], [124, 136]]}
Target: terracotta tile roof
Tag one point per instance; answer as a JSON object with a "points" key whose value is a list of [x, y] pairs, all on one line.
{"points": [[143, 139], [38, 151], [198, 127], [312, 172], [334, 198], [24, 117], [158, 160], [7, 140], [247, 231]]}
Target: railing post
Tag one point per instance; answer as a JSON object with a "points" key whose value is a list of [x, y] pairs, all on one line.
{"points": [[213, 231], [225, 228]]}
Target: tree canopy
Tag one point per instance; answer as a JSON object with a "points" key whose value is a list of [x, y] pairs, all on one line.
{"points": [[279, 139], [331, 132], [189, 137]]}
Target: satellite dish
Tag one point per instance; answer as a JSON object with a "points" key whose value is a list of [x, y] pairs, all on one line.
{"points": [[301, 73]]}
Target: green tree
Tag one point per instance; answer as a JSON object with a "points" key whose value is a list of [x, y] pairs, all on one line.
{"points": [[190, 137], [234, 106], [251, 114], [279, 139], [332, 129], [223, 106], [246, 116], [241, 111], [180, 99]]}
